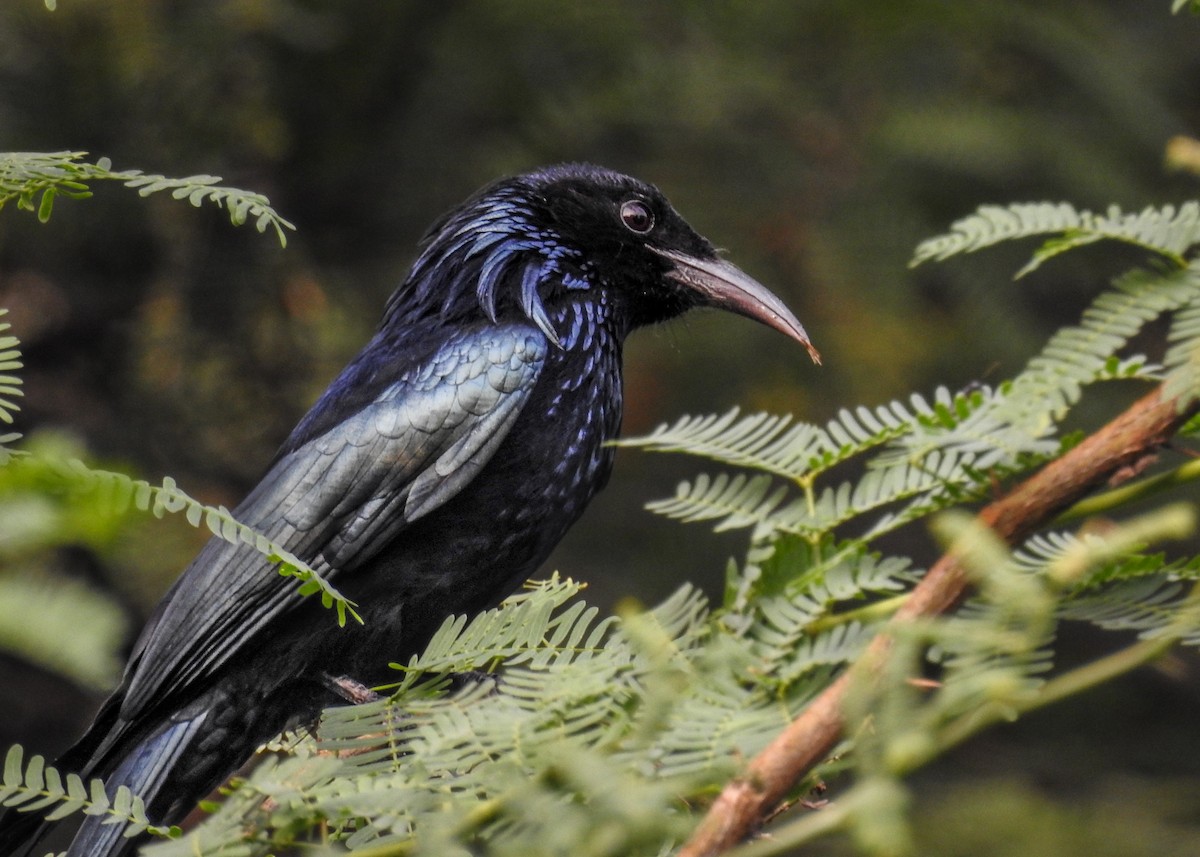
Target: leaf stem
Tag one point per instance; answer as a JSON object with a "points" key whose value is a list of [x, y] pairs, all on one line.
{"points": [[1144, 427], [866, 614], [1131, 492], [814, 824]]}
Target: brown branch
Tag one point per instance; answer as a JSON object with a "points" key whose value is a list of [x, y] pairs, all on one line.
{"points": [[1119, 446]]}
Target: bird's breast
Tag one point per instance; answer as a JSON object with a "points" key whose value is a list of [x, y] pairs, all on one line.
{"points": [[579, 408], [500, 528]]}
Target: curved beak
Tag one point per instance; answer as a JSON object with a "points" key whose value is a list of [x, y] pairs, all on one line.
{"points": [[720, 284]]}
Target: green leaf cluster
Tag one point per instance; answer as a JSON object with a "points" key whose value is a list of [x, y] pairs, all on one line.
{"points": [[540, 727], [34, 180], [10, 385], [49, 497], [521, 730], [34, 785], [112, 494]]}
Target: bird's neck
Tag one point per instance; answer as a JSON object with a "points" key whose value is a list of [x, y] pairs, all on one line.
{"points": [[585, 370], [588, 324]]}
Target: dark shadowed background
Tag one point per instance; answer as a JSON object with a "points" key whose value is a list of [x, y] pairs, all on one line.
{"points": [[817, 142]]}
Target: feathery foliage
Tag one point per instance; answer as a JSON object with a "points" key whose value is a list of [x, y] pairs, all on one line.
{"points": [[34, 180], [1168, 231], [10, 385], [111, 494], [34, 785], [539, 727], [86, 652]]}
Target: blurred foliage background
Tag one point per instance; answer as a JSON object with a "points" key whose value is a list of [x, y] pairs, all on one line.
{"points": [[817, 141]]}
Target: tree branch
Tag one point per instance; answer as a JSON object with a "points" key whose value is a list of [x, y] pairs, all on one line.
{"points": [[1113, 453]]}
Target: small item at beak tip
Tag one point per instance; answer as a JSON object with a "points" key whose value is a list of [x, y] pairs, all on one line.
{"points": [[790, 327], [813, 354]]}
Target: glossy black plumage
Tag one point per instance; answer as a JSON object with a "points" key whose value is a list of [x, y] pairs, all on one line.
{"points": [[438, 470]]}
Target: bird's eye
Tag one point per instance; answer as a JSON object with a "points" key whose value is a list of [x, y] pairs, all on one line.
{"points": [[637, 216]]}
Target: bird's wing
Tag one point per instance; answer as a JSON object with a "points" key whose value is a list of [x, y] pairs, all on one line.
{"points": [[338, 498]]}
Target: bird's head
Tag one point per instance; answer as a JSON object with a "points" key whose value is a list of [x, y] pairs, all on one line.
{"points": [[527, 244]]}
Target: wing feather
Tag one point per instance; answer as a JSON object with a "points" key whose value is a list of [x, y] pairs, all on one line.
{"points": [[338, 498]]}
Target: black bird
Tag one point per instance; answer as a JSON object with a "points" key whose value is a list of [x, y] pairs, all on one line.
{"points": [[437, 471]]}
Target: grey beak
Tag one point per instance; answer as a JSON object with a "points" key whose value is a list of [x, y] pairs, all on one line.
{"points": [[720, 284]]}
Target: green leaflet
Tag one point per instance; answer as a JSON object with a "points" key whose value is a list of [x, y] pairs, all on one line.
{"points": [[1167, 231], [33, 785], [34, 179]]}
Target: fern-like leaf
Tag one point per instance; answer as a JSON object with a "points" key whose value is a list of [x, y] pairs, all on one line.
{"points": [[121, 492], [920, 464], [1019, 419], [10, 385], [758, 441], [35, 179], [1143, 605], [528, 629], [1183, 356], [1168, 231], [787, 610], [240, 204], [738, 500], [34, 786], [1077, 356], [992, 224], [773, 444]]}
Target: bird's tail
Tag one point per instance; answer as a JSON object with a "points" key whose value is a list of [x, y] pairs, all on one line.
{"points": [[170, 765], [144, 771], [20, 831]]}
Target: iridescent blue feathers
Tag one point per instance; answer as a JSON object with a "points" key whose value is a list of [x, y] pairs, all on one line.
{"points": [[492, 250]]}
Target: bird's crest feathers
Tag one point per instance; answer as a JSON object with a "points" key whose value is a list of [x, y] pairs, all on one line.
{"points": [[497, 254]]}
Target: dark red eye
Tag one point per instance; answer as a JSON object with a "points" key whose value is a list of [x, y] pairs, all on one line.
{"points": [[637, 216]]}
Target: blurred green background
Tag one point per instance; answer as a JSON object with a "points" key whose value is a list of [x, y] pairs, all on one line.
{"points": [[817, 142]]}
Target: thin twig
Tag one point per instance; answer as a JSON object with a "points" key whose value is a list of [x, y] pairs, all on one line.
{"points": [[1123, 443]]}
